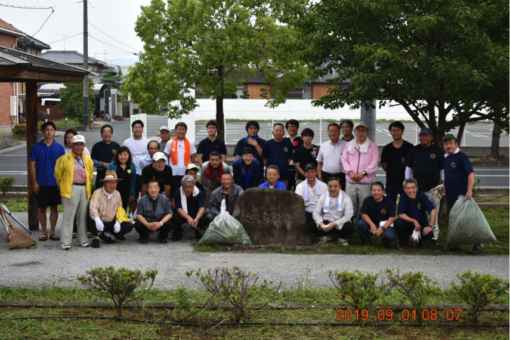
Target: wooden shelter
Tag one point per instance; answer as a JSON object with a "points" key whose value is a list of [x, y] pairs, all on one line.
{"points": [[21, 67]]}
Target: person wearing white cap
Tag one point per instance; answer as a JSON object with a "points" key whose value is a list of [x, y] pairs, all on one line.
{"points": [[165, 134], [160, 172], [152, 147], [106, 212], [73, 173]]}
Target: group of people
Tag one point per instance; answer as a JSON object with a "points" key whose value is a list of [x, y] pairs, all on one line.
{"points": [[158, 181]]}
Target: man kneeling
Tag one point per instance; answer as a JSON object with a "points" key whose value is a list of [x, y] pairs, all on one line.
{"points": [[153, 214], [412, 215], [190, 206], [332, 214], [228, 192], [103, 211], [377, 217]]}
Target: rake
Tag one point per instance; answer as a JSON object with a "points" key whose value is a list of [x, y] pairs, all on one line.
{"points": [[17, 238]]}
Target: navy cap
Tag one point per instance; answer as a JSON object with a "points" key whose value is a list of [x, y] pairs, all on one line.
{"points": [[425, 130], [310, 166]]}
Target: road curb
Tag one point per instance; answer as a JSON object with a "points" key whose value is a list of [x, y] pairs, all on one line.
{"points": [[12, 148]]}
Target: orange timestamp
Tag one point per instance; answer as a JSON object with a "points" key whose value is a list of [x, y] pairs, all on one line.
{"points": [[389, 315]]}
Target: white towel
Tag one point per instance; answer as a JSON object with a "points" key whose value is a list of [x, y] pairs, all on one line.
{"points": [[364, 147], [184, 202], [316, 190], [328, 199]]}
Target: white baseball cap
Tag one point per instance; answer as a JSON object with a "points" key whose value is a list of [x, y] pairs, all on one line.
{"points": [[78, 139], [164, 128], [157, 156]]}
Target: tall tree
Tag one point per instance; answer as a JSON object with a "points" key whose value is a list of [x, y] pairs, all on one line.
{"points": [[111, 78], [213, 45], [71, 99], [428, 56]]}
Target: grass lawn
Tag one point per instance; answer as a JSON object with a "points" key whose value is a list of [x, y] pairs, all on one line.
{"points": [[109, 329], [498, 220], [70, 122]]}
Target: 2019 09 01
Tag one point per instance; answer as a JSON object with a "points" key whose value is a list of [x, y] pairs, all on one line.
{"points": [[389, 315]]}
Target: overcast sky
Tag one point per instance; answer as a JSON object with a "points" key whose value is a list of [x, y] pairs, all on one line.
{"points": [[116, 18]]}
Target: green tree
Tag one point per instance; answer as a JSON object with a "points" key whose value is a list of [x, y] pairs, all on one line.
{"points": [[434, 58], [71, 99], [111, 78], [213, 44]]}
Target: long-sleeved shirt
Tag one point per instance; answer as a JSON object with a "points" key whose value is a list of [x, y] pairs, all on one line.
{"points": [[218, 195], [358, 162], [214, 183], [103, 207], [311, 203], [340, 217]]}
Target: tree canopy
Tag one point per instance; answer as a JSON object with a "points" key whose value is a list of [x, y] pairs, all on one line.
{"points": [[434, 58], [111, 78], [71, 99], [213, 46]]}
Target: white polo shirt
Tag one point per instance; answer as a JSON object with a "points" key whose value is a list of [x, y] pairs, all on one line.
{"points": [[138, 149], [331, 156], [312, 197], [179, 169]]}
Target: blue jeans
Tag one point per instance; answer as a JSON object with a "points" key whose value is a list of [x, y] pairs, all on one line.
{"points": [[392, 193], [405, 229], [387, 237]]}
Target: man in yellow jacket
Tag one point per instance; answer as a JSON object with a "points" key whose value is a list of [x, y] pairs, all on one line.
{"points": [[73, 172]]}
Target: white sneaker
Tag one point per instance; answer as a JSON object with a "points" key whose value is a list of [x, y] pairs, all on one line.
{"points": [[84, 244], [66, 247], [325, 239], [343, 242]]}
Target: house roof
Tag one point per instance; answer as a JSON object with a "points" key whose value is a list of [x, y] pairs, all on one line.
{"points": [[6, 26], [69, 57], [28, 40], [17, 60]]}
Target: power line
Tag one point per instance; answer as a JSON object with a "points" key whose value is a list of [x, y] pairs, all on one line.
{"points": [[65, 38], [44, 23], [109, 20], [108, 35], [110, 45], [23, 7]]}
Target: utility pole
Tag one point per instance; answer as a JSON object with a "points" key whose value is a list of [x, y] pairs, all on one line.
{"points": [[85, 66], [368, 115]]}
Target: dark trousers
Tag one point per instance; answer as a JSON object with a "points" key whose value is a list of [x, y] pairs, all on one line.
{"points": [[393, 192], [163, 231], [449, 206], [405, 229], [292, 180], [176, 181], [124, 195], [344, 233], [100, 174], [138, 185], [387, 237], [326, 176], [309, 217], [203, 223], [125, 227]]}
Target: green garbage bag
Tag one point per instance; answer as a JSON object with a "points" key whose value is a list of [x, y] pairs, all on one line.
{"points": [[468, 225], [225, 230]]}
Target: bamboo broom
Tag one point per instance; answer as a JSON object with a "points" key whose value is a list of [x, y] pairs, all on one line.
{"points": [[18, 239]]}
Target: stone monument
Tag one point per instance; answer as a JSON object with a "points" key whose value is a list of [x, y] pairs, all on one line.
{"points": [[272, 216]]}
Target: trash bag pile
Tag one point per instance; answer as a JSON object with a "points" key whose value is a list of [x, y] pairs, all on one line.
{"points": [[225, 230], [468, 225]]}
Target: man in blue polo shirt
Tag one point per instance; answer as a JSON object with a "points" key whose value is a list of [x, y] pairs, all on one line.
{"points": [[459, 177], [279, 151], [273, 174], [412, 210], [210, 144], [103, 152], [43, 157], [252, 141]]}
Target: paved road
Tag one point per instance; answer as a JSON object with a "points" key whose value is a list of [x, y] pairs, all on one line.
{"points": [[47, 264], [477, 134]]}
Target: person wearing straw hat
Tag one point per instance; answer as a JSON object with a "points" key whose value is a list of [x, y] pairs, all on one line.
{"points": [[73, 173], [106, 212]]}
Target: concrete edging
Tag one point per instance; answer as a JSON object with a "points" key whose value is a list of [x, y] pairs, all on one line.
{"points": [[12, 148]]}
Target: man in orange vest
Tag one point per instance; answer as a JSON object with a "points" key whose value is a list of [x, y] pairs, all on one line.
{"points": [[180, 152]]}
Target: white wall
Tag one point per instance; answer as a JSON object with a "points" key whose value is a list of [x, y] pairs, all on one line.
{"points": [[299, 109]]}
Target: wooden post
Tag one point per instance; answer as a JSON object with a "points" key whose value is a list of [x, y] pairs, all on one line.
{"points": [[33, 214]]}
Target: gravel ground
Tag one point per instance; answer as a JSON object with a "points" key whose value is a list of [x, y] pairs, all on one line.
{"points": [[48, 264]]}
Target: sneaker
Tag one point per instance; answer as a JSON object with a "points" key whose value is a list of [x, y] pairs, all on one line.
{"points": [[325, 239], [106, 239], [66, 247], [84, 244], [434, 242], [119, 237], [343, 242], [95, 243], [477, 248]]}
